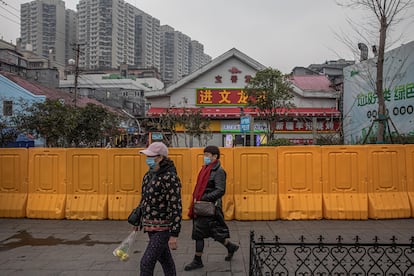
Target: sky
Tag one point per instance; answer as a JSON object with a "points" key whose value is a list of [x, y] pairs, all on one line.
{"points": [[281, 34]]}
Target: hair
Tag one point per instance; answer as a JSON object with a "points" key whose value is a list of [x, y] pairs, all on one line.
{"points": [[213, 150]]}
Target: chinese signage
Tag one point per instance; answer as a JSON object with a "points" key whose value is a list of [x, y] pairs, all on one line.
{"points": [[234, 126], [245, 124], [219, 96], [298, 126], [361, 102], [321, 125]]}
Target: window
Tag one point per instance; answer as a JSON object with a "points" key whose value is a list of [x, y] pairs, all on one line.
{"points": [[7, 108]]}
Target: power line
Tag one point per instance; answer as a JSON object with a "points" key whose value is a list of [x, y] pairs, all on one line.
{"points": [[17, 16], [6, 4], [11, 20]]}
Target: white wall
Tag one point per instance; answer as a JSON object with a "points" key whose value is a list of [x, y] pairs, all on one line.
{"points": [[207, 80]]}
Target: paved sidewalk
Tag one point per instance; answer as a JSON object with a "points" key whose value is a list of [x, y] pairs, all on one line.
{"points": [[73, 247]]}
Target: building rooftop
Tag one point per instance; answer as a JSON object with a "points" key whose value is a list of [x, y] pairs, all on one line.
{"points": [[53, 93], [318, 83]]}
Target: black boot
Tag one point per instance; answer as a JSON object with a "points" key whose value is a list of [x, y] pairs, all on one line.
{"points": [[195, 264], [231, 248]]}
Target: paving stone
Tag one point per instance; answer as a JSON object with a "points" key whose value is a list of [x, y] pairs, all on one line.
{"points": [[74, 247]]}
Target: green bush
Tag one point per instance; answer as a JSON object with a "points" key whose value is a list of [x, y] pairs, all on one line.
{"points": [[279, 142]]}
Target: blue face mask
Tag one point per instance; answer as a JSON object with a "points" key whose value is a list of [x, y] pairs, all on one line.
{"points": [[207, 160], [150, 162]]}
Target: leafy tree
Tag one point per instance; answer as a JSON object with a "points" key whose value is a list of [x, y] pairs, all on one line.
{"points": [[387, 14], [279, 142], [7, 132], [8, 129], [269, 92], [63, 125], [51, 120], [92, 123]]}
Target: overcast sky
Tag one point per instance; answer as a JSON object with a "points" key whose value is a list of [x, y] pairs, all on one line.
{"points": [[277, 33]]}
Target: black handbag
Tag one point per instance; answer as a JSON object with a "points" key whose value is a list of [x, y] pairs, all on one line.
{"points": [[135, 218], [204, 208]]}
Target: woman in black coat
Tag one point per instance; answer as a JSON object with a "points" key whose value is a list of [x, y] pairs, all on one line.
{"points": [[211, 186]]}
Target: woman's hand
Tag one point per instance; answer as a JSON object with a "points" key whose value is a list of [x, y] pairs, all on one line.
{"points": [[172, 243]]}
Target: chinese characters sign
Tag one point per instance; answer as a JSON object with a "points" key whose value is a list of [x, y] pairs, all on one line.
{"points": [[218, 96], [361, 102]]}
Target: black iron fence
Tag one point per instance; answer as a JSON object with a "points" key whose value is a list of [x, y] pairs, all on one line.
{"points": [[326, 258]]}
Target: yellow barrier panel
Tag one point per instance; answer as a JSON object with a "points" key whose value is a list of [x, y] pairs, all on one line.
{"points": [[299, 179], [182, 161], [47, 187], [344, 174], [86, 181], [255, 191], [226, 160], [13, 183], [387, 192], [409, 149], [126, 167]]}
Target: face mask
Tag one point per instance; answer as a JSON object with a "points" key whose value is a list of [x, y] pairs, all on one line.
{"points": [[150, 162], [207, 160]]}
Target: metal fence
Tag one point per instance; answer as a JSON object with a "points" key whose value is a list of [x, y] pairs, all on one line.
{"points": [[330, 258]]}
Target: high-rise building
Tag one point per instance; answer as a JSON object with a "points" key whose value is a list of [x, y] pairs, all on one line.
{"points": [[71, 35], [147, 39], [167, 54], [206, 59], [179, 55], [42, 28], [197, 56], [112, 33], [95, 33]]}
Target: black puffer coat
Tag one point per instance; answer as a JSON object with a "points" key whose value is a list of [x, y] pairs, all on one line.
{"points": [[213, 227]]}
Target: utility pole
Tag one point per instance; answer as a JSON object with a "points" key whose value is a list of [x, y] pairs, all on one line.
{"points": [[76, 72]]}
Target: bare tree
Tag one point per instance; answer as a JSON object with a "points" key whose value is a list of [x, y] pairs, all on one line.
{"points": [[387, 13]]}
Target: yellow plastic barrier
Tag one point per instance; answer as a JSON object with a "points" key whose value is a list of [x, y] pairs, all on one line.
{"points": [[409, 150], [226, 160], [299, 179], [387, 192], [47, 187], [255, 191], [13, 183], [86, 181], [344, 174], [182, 160], [126, 167]]}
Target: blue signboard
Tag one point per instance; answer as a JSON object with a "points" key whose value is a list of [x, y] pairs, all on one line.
{"points": [[131, 130], [156, 136], [245, 124]]}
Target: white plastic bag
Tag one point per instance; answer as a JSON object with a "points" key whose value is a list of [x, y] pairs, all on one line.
{"points": [[122, 251]]}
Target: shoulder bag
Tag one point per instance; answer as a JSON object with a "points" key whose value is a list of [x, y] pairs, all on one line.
{"points": [[204, 208], [135, 218]]}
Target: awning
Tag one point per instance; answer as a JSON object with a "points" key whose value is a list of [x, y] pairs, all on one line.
{"points": [[235, 112]]}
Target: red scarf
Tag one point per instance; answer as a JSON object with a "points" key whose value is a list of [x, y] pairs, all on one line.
{"points": [[201, 185]]}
